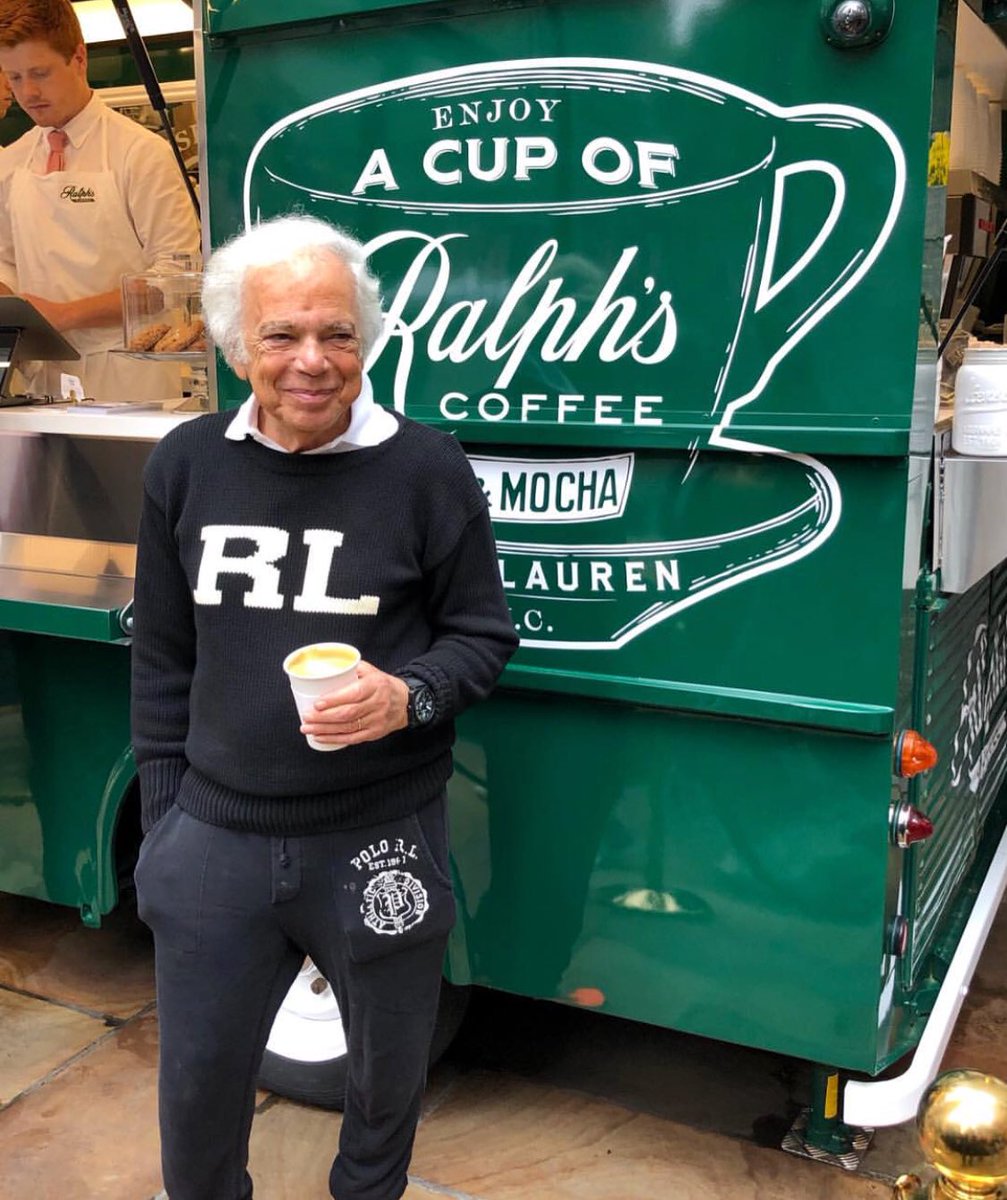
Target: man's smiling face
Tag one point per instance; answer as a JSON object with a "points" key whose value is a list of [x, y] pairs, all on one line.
{"points": [[301, 334]]}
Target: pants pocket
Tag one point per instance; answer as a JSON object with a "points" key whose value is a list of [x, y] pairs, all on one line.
{"points": [[169, 879], [393, 886], [151, 834]]}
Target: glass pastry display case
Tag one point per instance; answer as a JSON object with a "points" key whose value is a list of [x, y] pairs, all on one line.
{"points": [[162, 319], [161, 310]]}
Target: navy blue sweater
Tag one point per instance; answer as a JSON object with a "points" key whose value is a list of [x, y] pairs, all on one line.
{"points": [[243, 555]]}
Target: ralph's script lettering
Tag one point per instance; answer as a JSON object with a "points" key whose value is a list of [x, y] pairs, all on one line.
{"points": [[535, 316]]}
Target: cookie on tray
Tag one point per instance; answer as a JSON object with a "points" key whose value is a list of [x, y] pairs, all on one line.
{"points": [[180, 338], [148, 338]]}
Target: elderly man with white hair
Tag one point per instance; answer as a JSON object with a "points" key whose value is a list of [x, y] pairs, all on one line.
{"points": [[311, 515]]}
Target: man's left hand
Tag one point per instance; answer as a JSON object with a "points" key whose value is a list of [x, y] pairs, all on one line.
{"points": [[364, 711]]}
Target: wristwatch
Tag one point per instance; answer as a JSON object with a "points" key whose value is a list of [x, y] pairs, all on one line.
{"points": [[421, 707]]}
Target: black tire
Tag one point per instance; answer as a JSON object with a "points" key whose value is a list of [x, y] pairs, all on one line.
{"points": [[323, 1084]]}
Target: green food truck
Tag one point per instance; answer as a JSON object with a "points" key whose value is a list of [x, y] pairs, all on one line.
{"points": [[673, 273]]}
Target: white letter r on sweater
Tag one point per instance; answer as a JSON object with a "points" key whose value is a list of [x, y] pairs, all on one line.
{"points": [[270, 545]]}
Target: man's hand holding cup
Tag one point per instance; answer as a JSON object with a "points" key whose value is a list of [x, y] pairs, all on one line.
{"points": [[342, 700]]}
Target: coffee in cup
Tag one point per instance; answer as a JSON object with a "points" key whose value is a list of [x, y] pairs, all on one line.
{"points": [[321, 661], [319, 669]]}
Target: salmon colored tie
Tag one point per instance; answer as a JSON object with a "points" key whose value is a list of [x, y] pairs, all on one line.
{"points": [[57, 144]]}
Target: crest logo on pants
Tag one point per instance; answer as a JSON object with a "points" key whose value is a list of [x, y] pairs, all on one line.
{"points": [[394, 901]]}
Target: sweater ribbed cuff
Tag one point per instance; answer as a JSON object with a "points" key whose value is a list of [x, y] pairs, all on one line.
{"points": [[160, 780]]}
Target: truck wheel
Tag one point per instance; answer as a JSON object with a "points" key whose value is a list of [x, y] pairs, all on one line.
{"points": [[305, 1056]]}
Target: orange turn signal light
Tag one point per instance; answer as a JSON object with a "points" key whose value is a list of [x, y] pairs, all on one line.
{"points": [[913, 753], [588, 997]]}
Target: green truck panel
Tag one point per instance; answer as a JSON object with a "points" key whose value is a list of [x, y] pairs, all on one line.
{"points": [[671, 276], [667, 292]]}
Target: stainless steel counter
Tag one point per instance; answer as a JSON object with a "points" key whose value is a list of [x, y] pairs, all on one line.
{"points": [[80, 420], [70, 497], [970, 516], [69, 472], [63, 573]]}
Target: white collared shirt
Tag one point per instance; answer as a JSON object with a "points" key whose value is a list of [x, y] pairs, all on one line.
{"points": [[370, 425], [145, 171]]}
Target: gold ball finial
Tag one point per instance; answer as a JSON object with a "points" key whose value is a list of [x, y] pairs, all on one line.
{"points": [[962, 1123]]}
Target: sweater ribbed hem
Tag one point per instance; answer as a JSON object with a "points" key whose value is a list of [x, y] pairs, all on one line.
{"points": [[160, 780], [297, 816]]}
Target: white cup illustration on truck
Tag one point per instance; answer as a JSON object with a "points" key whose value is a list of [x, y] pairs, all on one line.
{"points": [[587, 243]]}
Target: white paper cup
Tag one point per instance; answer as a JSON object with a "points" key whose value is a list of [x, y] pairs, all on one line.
{"points": [[320, 669]]}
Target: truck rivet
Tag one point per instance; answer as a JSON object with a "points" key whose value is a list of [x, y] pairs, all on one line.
{"points": [[848, 24], [851, 19]]}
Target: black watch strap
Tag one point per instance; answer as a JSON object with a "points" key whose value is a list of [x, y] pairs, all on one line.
{"points": [[421, 707]]}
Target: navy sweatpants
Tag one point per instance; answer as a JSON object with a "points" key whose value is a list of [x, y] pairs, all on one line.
{"points": [[233, 915]]}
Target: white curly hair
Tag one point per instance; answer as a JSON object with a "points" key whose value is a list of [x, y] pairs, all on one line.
{"points": [[266, 245]]}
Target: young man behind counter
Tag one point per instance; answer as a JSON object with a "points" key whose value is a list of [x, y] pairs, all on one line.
{"points": [[86, 197]]}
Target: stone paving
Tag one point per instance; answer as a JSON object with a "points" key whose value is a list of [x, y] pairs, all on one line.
{"points": [[534, 1102]]}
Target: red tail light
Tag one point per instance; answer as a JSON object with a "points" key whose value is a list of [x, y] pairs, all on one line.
{"points": [[909, 825]]}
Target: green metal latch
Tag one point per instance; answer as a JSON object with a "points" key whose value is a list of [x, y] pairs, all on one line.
{"points": [[848, 24]]}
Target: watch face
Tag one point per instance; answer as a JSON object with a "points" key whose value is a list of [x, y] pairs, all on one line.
{"points": [[423, 705]]}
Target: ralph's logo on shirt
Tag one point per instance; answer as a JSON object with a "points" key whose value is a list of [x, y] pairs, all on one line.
{"points": [[77, 195]]}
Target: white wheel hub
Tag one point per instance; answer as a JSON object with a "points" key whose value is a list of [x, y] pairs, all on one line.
{"points": [[308, 1027]]}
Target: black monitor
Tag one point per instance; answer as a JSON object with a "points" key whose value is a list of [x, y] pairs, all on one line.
{"points": [[26, 336]]}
